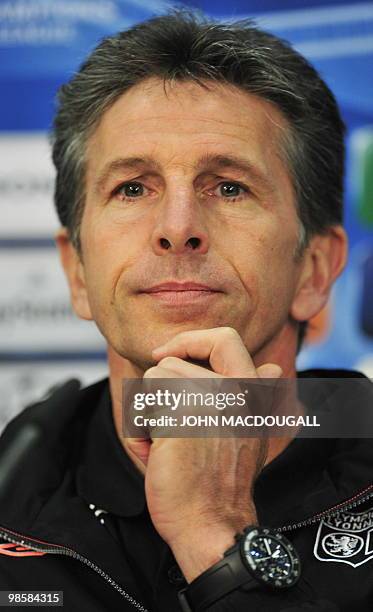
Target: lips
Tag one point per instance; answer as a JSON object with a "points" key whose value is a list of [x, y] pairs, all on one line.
{"points": [[178, 287], [181, 300]]}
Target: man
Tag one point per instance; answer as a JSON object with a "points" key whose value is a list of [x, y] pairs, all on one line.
{"points": [[199, 188]]}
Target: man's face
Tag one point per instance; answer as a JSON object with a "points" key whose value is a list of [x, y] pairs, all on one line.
{"points": [[187, 184]]}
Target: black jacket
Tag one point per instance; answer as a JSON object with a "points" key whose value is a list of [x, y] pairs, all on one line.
{"points": [[318, 492]]}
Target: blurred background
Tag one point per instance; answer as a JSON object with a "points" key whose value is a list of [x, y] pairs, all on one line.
{"points": [[42, 42]]}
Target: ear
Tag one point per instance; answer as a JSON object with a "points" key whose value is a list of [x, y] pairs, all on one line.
{"points": [[74, 270], [323, 261]]}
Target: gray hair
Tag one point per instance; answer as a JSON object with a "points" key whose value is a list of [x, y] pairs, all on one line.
{"points": [[181, 46]]}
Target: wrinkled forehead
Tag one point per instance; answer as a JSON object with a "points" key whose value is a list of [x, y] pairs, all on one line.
{"points": [[180, 122]]}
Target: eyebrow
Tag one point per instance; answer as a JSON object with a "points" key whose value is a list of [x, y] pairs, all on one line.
{"points": [[223, 162], [124, 163], [207, 163]]}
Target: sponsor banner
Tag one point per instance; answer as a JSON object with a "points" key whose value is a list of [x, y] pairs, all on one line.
{"points": [[53, 36], [25, 383], [35, 310], [26, 186]]}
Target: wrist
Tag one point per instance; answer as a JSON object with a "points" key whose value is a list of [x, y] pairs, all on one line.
{"points": [[261, 557], [200, 548], [200, 551]]}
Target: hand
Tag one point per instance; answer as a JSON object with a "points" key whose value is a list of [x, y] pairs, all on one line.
{"points": [[199, 490]]}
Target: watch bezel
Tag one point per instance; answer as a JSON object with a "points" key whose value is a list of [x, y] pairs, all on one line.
{"points": [[254, 532]]}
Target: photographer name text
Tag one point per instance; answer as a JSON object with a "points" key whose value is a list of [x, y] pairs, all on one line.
{"points": [[222, 420]]}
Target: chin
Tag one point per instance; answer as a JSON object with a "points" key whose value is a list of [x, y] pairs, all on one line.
{"points": [[141, 359]]}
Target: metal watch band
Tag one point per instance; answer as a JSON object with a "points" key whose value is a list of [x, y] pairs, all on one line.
{"points": [[225, 576]]}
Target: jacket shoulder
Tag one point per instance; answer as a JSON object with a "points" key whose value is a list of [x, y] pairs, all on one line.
{"points": [[39, 447]]}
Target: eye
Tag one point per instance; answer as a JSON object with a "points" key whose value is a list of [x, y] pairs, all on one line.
{"points": [[129, 190], [231, 190]]}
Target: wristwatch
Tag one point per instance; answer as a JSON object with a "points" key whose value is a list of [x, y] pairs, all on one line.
{"points": [[260, 557]]}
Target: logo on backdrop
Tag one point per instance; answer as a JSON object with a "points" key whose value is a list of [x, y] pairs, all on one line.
{"points": [[346, 537]]}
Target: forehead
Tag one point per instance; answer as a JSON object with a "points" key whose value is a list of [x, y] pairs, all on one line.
{"points": [[178, 122]]}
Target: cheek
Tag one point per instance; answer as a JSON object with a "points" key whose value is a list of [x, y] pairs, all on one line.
{"points": [[279, 283], [112, 245], [103, 256], [267, 270]]}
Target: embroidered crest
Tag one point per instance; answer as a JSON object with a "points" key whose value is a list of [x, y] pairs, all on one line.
{"points": [[14, 550], [346, 537]]}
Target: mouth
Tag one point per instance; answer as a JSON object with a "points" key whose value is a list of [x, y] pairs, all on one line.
{"points": [[177, 294], [180, 287]]}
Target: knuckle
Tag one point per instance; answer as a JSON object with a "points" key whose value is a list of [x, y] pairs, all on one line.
{"points": [[183, 335], [230, 333], [167, 361]]}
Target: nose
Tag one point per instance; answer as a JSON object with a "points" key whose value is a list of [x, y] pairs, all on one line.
{"points": [[180, 227]]}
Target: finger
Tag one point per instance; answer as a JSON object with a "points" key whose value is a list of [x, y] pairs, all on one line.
{"points": [[222, 346], [159, 372], [184, 369], [269, 370]]}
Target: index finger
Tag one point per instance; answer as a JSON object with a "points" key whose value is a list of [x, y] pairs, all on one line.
{"points": [[221, 346]]}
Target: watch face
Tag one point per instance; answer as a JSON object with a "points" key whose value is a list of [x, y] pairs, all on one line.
{"points": [[271, 557]]}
